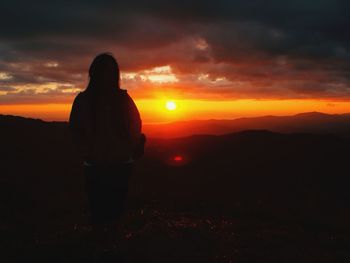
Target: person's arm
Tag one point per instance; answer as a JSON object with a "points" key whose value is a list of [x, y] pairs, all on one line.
{"points": [[138, 139], [77, 127]]}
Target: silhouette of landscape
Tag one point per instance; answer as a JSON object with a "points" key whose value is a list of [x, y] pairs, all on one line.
{"points": [[310, 122], [268, 189]]}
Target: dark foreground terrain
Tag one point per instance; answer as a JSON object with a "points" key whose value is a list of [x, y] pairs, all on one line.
{"points": [[252, 196]]}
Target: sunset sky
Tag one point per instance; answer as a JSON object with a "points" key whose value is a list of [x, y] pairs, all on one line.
{"points": [[212, 59]]}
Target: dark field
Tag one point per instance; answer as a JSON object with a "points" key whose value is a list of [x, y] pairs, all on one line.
{"points": [[252, 196]]}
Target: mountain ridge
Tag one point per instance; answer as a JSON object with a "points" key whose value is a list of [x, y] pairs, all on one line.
{"points": [[307, 122]]}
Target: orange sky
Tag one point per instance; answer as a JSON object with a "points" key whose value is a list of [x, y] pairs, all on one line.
{"points": [[154, 110], [223, 61], [152, 88]]}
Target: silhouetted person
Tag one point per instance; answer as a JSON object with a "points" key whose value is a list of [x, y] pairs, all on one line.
{"points": [[106, 128]]}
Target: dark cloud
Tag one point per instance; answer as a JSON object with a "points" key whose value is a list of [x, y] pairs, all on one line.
{"points": [[275, 48]]}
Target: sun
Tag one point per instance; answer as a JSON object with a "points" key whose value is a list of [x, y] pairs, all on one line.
{"points": [[170, 105]]}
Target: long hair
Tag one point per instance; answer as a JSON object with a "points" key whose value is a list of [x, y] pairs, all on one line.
{"points": [[104, 77]]}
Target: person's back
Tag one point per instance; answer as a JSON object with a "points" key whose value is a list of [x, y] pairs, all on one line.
{"points": [[107, 130]]}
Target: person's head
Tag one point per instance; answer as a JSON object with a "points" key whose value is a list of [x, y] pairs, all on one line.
{"points": [[104, 73]]}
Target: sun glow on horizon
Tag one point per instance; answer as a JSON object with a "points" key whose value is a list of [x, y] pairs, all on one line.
{"points": [[162, 110], [171, 105]]}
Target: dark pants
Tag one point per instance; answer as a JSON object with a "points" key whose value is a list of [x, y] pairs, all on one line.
{"points": [[107, 189]]}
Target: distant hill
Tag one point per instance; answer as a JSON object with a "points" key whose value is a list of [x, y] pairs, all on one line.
{"points": [[254, 189], [296, 175], [311, 122]]}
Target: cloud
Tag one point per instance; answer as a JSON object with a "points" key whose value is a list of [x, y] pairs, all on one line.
{"points": [[261, 49], [7, 89]]}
